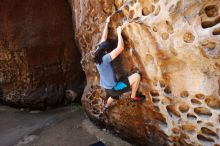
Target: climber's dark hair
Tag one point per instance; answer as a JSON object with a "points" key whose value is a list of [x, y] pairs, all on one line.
{"points": [[103, 48]]}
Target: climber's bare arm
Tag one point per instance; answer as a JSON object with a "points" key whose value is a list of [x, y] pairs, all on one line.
{"points": [[105, 31], [120, 46]]}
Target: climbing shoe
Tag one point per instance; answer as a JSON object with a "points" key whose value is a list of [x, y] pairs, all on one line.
{"points": [[137, 99]]}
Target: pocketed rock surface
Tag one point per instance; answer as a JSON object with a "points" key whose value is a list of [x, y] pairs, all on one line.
{"points": [[175, 45]]}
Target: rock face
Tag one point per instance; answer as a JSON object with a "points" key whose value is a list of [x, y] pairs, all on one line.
{"points": [[38, 57], [175, 45]]}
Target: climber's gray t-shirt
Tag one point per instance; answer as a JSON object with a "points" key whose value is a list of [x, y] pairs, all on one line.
{"points": [[106, 72]]}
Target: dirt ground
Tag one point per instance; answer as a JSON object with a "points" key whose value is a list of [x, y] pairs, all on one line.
{"points": [[65, 126]]}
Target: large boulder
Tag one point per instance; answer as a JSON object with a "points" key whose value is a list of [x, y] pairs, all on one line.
{"points": [[175, 45], [38, 57]]}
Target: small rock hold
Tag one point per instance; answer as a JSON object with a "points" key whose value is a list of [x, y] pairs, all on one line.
{"points": [[204, 138], [200, 96], [165, 36], [183, 107], [156, 100], [190, 115], [162, 83], [154, 93], [202, 111], [199, 121], [157, 109], [209, 124], [145, 11], [211, 11], [176, 130], [209, 45], [188, 37], [189, 127], [172, 109], [195, 101], [155, 29], [166, 100], [184, 94], [157, 11], [167, 90], [213, 102], [208, 131], [152, 8]]}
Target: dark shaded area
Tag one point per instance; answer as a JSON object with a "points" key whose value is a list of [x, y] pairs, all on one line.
{"points": [[38, 57], [1, 94], [207, 24], [211, 11]]}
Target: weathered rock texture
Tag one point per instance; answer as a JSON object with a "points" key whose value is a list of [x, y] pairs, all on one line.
{"points": [[38, 58], [175, 45]]}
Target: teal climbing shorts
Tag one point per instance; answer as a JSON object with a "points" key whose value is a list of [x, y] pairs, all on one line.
{"points": [[121, 87]]}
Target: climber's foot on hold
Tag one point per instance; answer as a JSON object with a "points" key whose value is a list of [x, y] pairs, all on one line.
{"points": [[138, 98]]}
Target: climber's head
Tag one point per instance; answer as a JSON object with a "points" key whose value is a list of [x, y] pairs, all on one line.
{"points": [[103, 48]]}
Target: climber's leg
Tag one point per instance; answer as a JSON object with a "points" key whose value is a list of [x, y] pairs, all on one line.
{"points": [[109, 102], [121, 87], [134, 80], [112, 97]]}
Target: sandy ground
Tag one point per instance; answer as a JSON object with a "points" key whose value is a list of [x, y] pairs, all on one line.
{"points": [[65, 126]]}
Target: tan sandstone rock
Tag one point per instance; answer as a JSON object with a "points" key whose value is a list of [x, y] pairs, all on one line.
{"points": [[175, 45]]}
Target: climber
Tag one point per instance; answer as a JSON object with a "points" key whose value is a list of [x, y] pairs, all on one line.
{"points": [[103, 57]]}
